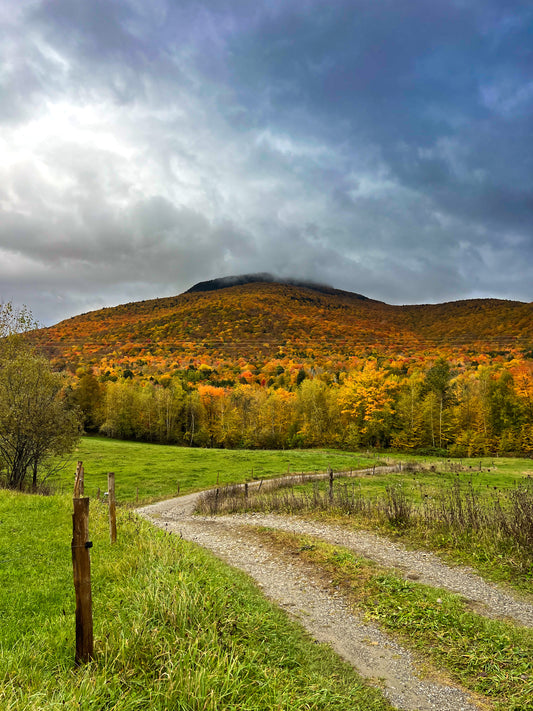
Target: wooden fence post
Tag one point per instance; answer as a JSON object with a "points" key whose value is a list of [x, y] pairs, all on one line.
{"points": [[79, 484], [81, 565], [330, 472], [112, 507]]}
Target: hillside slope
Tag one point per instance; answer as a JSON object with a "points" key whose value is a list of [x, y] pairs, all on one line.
{"points": [[256, 321]]}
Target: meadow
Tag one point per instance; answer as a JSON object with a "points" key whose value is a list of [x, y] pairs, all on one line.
{"points": [[148, 472]]}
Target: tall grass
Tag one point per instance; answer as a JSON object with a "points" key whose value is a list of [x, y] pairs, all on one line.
{"points": [[494, 524]]}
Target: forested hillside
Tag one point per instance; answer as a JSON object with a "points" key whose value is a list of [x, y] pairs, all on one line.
{"points": [[270, 364]]}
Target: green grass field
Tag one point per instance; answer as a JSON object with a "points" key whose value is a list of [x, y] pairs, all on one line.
{"points": [[156, 470], [494, 475], [174, 627], [499, 472]]}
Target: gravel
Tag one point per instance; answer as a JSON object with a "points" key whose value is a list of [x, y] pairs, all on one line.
{"points": [[424, 567], [326, 615]]}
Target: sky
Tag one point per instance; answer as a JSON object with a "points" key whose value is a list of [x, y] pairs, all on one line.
{"points": [[383, 147]]}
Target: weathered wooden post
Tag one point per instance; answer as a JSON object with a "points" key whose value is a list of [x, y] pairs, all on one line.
{"points": [[112, 507], [330, 472], [81, 565], [79, 484]]}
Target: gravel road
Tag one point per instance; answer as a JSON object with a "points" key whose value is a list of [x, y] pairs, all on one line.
{"points": [[326, 615]]}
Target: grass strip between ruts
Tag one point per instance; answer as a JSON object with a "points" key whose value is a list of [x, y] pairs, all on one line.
{"points": [[489, 657]]}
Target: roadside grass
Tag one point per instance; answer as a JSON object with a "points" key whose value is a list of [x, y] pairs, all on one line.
{"points": [[488, 657], [489, 471], [156, 470], [174, 627], [455, 513]]}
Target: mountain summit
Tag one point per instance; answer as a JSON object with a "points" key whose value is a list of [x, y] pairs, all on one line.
{"points": [[265, 278]]}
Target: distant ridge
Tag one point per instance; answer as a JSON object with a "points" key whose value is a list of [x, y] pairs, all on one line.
{"points": [[266, 278], [259, 319]]}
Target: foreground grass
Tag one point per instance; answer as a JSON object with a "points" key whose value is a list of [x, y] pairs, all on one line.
{"points": [[174, 627], [488, 657], [156, 470]]}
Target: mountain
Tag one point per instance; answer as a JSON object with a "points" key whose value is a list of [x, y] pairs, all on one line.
{"points": [[265, 278], [227, 323]]}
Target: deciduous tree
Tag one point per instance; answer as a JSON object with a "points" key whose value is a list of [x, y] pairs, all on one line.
{"points": [[35, 423]]}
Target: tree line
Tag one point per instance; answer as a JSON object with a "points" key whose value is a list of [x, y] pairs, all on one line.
{"points": [[475, 411], [461, 409]]}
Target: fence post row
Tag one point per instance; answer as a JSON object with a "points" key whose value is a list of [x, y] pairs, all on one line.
{"points": [[81, 566]]}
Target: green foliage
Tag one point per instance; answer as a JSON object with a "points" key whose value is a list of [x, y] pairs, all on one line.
{"points": [[88, 397], [35, 424], [302, 375], [15, 321]]}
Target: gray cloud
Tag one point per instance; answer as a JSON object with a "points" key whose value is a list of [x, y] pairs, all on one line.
{"points": [[384, 148]]}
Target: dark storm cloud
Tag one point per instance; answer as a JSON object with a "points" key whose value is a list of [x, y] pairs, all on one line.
{"points": [[382, 147]]}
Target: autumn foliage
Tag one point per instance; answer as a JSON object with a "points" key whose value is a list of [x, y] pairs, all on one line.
{"points": [[272, 365]]}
